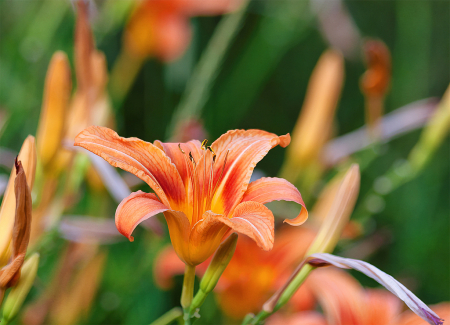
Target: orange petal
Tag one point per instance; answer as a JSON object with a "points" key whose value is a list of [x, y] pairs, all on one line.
{"points": [[141, 158], [340, 296], [134, 209], [167, 265], [270, 189], [409, 318], [382, 307], [179, 159], [179, 228], [254, 220], [172, 35], [208, 8], [206, 236], [246, 149]]}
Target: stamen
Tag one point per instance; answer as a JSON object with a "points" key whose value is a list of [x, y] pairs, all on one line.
{"points": [[179, 147], [192, 159], [204, 142]]}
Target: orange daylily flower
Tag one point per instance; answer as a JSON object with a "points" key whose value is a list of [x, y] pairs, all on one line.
{"points": [[204, 192], [161, 27]]}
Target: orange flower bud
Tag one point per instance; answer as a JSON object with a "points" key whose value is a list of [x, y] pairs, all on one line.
{"points": [[27, 157], [10, 274], [375, 82], [57, 91], [314, 125]]}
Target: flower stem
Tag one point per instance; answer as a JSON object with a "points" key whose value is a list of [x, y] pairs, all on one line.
{"points": [[168, 317], [188, 292]]}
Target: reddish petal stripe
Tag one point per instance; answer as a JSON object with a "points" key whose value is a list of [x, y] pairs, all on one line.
{"points": [[141, 158], [179, 159], [270, 189], [206, 235], [246, 149], [179, 229], [254, 220], [134, 209]]}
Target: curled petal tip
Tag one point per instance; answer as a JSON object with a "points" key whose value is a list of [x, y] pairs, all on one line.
{"points": [[285, 140]]}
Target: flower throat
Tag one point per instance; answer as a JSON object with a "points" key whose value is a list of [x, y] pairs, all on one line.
{"points": [[203, 188]]}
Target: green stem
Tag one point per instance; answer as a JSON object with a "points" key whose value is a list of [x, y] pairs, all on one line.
{"points": [[168, 317], [188, 292], [197, 89]]}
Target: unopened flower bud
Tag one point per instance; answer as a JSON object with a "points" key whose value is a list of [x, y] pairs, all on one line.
{"points": [[218, 264], [314, 125], [57, 91], [10, 274], [17, 295], [215, 269], [27, 157]]}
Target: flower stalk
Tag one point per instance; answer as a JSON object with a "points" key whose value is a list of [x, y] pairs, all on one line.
{"points": [[188, 292]]}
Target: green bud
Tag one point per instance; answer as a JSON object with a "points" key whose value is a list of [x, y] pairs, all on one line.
{"points": [[215, 269], [218, 264], [18, 293]]}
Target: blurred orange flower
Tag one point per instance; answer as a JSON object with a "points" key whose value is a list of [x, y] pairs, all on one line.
{"points": [[204, 192], [345, 302], [161, 27]]}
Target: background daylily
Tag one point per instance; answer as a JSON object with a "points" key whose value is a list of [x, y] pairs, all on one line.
{"points": [[202, 191], [345, 302]]}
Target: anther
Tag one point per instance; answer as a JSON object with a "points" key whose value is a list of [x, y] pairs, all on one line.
{"points": [[204, 142], [192, 158], [211, 149], [179, 147]]}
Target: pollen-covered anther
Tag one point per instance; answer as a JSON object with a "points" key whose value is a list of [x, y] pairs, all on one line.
{"points": [[204, 142], [179, 147]]}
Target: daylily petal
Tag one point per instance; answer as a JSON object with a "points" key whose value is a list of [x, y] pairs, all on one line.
{"points": [[167, 265], [210, 229], [134, 209], [172, 35], [245, 149], [179, 228], [207, 8], [340, 296], [254, 220], [382, 307], [268, 189], [141, 158], [409, 318], [179, 159]]}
